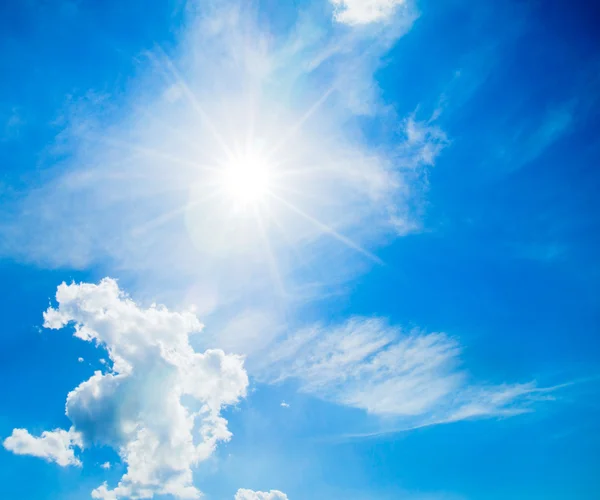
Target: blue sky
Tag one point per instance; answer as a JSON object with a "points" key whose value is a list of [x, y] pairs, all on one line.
{"points": [[370, 228]]}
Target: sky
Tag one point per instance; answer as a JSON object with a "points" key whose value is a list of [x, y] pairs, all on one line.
{"points": [[315, 249]]}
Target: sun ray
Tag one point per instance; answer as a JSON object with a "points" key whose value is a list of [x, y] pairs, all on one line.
{"points": [[283, 187], [272, 260], [300, 123], [331, 166], [155, 153], [179, 132], [325, 228], [288, 241], [191, 97], [167, 216]]}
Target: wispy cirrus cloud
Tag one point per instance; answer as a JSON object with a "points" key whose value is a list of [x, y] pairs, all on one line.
{"points": [[414, 377]]}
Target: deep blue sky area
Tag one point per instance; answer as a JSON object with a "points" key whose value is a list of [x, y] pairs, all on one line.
{"points": [[474, 123]]}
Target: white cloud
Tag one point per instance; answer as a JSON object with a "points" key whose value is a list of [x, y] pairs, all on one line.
{"points": [[159, 406], [106, 465], [243, 494], [365, 11], [284, 404], [424, 141], [413, 376], [54, 446]]}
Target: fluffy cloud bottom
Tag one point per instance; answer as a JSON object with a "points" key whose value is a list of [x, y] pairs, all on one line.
{"points": [[158, 404]]}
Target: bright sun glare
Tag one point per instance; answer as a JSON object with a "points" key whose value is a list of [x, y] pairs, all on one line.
{"points": [[246, 180]]}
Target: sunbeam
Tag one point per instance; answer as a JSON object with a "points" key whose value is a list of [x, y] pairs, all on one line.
{"points": [[191, 97], [325, 228], [271, 258], [293, 130]]}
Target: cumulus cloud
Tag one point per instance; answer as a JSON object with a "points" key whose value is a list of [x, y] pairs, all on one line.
{"points": [[243, 494], [159, 405], [356, 12], [54, 446], [410, 375]]}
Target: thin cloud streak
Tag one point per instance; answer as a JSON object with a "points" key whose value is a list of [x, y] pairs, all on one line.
{"points": [[413, 379]]}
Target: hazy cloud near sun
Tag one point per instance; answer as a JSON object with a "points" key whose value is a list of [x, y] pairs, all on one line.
{"points": [[138, 196]]}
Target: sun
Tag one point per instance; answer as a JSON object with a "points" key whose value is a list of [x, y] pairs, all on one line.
{"points": [[246, 180]]}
